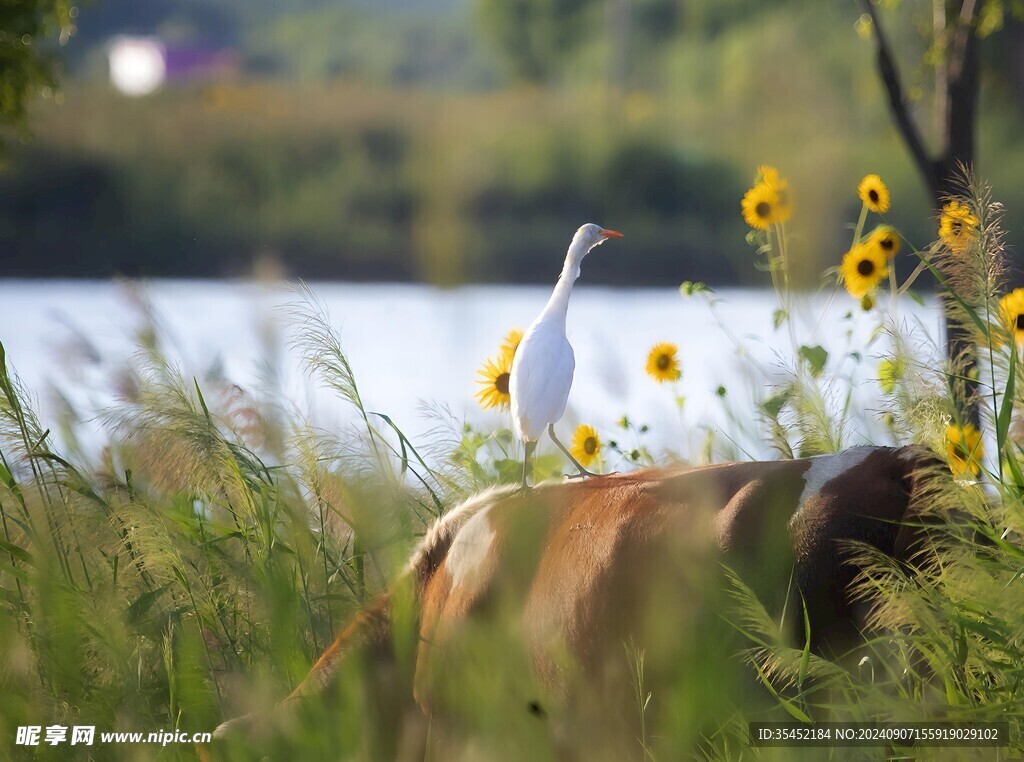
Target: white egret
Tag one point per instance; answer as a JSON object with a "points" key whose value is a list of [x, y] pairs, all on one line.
{"points": [[544, 362]]}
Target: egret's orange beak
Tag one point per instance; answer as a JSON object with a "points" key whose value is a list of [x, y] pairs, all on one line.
{"points": [[611, 234]]}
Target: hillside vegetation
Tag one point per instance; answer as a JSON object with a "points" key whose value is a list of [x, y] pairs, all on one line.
{"points": [[338, 159]]}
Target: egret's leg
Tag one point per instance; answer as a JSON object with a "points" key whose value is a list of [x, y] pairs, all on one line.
{"points": [[530, 446], [582, 470]]}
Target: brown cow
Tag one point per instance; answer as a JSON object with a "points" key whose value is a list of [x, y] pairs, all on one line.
{"points": [[564, 575]]}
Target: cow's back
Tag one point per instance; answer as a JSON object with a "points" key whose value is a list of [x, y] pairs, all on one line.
{"points": [[581, 601], [564, 580]]}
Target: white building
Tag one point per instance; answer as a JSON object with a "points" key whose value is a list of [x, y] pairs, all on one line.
{"points": [[138, 65]]}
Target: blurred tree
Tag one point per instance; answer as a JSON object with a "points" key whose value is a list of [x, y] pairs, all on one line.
{"points": [[954, 32], [27, 66], [536, 36]]}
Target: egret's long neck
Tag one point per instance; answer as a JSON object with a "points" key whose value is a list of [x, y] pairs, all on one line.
{"points": [[558, 304]]}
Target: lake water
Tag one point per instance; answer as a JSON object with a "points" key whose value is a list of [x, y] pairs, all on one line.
{"points": [[411, 345]]}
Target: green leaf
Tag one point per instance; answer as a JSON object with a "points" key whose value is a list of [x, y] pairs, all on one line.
{"points": [[1014, 466], [779, 317], [996, 539], [548, 466], [144, 603], [17, 551], [202, 401], [785, 703], [805, 656], [915, 297], [14, 571], [773, 405], [1006, 408], [406, 448], [509, 471], [692, 288], [816, 358]]}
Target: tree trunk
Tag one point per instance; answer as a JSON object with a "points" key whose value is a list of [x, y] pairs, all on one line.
{"points": [[958, 93]]}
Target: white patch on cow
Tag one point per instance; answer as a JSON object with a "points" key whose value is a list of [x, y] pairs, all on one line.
{"points": [[444, 530], [470, 549], [825, 468]]}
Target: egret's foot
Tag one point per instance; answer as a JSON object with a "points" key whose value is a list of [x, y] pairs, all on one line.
{"points": [[583, 474]]}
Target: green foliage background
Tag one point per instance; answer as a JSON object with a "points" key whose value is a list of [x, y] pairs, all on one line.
{"points": [[399, 141], [26, 66]]}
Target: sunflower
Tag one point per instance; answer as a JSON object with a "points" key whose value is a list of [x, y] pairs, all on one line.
{"points": [[964, 450], [511, 343], [890, 371], [784, 209], [769, 176], [759, 206], [493, 377], [662, 364], [885, 238], [586, 445], [1012, 308], [956, 225], [863, 269], [874, 194]]}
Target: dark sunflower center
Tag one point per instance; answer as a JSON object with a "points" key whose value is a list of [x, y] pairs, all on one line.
{"points": [[887, 244], [1020, 322], [763, 209], [873, 195], [663, 362], [590, 445], [865, 267], [501, 383]]}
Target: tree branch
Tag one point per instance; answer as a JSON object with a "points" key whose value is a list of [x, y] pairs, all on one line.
{"points": [[897, 100], [964, 33]]}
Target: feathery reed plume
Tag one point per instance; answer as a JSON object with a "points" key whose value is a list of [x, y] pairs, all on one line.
{"points": [[320, 346], [970, 250], [970, 257], [918, 404]]}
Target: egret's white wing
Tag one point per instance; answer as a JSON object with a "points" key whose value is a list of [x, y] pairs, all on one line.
{"points": [[561, 382], [540, 381]]}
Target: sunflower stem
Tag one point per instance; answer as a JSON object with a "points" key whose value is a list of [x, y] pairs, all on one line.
{"points": [[859, 230], [893, 292], [913, 276], [783, 291]]}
